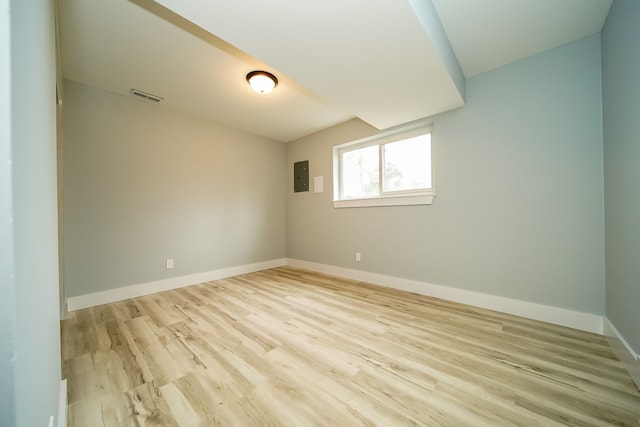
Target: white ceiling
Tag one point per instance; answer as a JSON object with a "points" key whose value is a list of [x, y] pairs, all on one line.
{"points": [[384, 61], [372, 57], [486, 34]]}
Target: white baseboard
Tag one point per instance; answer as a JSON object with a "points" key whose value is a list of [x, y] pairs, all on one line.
{"points": [[623, 350], [558, 316], [119, 294], [62, 405]]}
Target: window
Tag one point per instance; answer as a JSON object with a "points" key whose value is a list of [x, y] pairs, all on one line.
{"points": [[392, 168]]}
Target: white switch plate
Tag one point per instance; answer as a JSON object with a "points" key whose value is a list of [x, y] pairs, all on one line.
{"points": [[169, 264], [358, 257], [318, 184]]}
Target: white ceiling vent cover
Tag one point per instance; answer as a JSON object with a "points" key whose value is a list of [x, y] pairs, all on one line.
{"points": [[145, 95]]}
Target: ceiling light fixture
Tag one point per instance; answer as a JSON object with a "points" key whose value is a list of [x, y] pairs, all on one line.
{"points": [[262, 81]]}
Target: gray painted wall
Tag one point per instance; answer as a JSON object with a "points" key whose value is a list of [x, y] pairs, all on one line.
{"points": [[35, 252], [7, 282], [621, 107], [518, 177], [143, 184]]}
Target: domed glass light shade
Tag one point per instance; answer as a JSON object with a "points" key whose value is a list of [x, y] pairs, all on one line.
{"points": [[262, 81]]}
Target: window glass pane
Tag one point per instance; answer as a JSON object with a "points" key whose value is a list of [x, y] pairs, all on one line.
{"points": [[407, 164], [360, 177]]}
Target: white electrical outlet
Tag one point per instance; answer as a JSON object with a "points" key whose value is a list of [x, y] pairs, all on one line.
{"points": [[51, 421], [358, 257], [169, 264]]}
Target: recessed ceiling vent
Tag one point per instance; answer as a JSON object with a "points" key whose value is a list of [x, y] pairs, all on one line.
{"points": [[145, 95]]}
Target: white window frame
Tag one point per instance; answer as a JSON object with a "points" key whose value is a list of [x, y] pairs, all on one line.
{"points": [[394, 198]]}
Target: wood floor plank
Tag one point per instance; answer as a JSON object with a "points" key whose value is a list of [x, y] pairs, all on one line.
{"points": [[288, 347]]}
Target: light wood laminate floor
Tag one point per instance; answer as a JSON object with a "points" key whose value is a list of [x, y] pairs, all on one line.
{"points": [[286, 347]]}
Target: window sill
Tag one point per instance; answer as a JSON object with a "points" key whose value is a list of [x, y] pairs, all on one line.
{"points": [[404, 200]]}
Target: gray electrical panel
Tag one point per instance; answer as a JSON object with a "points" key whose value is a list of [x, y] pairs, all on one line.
{"points": [[301, 176]]}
